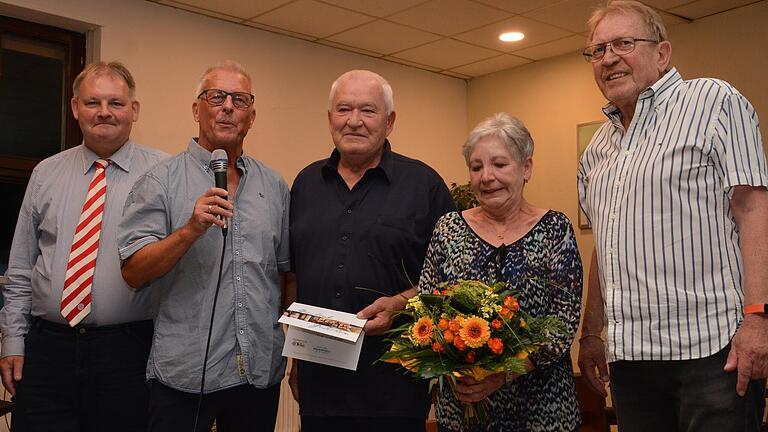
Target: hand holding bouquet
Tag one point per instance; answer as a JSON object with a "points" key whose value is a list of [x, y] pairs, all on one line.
{"points": [[468, 328]]}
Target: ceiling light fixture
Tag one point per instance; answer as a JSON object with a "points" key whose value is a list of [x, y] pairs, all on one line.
{"points": [[511, 36]]}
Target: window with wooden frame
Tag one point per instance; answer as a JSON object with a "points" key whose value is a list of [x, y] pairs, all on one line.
{"points": [[38, 64]]}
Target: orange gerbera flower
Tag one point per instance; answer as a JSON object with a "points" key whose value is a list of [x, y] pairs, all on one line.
{"points": [[442, 324], [438, 347], [421, 333], [496, 345], [469, 357], [496, 324], [448, 335], [505, 312], [475, 332]]}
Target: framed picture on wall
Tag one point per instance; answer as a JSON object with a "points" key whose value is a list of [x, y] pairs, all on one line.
{"points": [[584, 133]]}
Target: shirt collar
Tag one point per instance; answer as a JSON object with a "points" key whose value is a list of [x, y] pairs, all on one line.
{"points": [[385, 166], [203, 156], [660, 91], [121, 158]]}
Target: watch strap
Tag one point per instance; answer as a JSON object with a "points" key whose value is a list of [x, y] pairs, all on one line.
{"points": [[759, 308]]}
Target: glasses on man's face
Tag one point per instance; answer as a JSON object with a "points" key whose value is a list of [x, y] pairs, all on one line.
{"points": [[620, 46], [216, 97]]}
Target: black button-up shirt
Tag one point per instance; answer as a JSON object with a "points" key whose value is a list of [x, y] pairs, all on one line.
{"points": [[350, 247]]}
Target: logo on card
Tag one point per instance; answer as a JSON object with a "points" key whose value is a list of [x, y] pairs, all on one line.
{"points": [[321, 349], [298, 343]]}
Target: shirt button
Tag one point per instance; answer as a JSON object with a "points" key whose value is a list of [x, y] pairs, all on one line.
{"points": [[344, 238], [238, 278], [237, 252], [340, 266], [242, 331], [82, 330], [240, 304], [618, 182], [80, 306], [338, 293], [349, 211]]}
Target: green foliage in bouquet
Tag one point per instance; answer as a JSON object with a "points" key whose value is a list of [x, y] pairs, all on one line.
{"points": [[463, 196]]}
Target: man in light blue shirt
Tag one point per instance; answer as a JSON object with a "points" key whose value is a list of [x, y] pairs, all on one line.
{"points": [[167, 242], [86, 376]]}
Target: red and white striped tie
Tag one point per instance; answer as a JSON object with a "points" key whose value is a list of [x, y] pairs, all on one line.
{"points": [[76, 298]]}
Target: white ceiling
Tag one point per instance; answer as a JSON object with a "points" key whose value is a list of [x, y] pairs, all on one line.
{"points": [[458, 38]]}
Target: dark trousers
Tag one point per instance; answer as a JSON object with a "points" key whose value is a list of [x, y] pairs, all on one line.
{"points": [[237, 409], [685, 396], [83, 379], [362, 424]]}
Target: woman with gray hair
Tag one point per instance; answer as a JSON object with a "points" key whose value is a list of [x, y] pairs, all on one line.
{"points": [[532, 250]]}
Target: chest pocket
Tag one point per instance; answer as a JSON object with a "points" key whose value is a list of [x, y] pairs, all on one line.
{"points": [[391, 238]]}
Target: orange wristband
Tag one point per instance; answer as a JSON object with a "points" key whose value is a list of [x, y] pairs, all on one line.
{"points": [[756, 309]]}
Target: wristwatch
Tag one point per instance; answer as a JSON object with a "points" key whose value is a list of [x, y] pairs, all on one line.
{"points": [[759, 308]]}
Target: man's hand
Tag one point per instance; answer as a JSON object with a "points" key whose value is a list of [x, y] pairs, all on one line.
{"points": [[293, 381], [592, 363], [469, 389], [212, 204], [749, 352], [380, 313], [10, 369]]}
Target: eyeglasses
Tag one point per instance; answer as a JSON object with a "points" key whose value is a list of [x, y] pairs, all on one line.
{"points": [[216, 97], [620, 46]]}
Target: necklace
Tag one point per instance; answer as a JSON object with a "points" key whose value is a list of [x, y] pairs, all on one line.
{"points": [[500, 235]]}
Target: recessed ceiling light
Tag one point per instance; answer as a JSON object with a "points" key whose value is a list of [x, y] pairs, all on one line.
{"points": [[511, 36]]}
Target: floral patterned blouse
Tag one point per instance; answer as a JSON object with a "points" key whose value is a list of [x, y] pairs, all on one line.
{"points": [[545, 398]]}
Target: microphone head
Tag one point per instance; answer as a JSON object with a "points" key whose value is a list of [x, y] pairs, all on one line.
{"points": [[218, 161]]}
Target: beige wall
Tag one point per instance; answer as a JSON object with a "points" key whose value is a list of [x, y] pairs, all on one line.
{"points": [[167, 50], [553, 96]]}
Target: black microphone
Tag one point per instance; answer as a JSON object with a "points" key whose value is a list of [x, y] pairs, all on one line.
{"points": [[218, 165]]}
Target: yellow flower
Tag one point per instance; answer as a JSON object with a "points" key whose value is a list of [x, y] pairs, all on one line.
{"points": [[475, 331], [421, 333]]}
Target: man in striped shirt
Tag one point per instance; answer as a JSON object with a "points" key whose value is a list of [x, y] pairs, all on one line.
{"points": [[674, 184]]}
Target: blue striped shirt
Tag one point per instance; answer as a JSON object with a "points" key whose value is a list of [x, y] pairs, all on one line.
{"points": [[658, 197]]}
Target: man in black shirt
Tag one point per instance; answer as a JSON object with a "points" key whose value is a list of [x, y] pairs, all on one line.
{"points": [[361, 221]]}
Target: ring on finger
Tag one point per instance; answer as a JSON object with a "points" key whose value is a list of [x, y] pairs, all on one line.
{"points": [[209, 208]]}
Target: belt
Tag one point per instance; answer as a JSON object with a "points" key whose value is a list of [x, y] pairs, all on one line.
{"points": [[89, 328]]}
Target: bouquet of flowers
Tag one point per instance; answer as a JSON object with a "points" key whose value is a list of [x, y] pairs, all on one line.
{"points": [[468, 328]]}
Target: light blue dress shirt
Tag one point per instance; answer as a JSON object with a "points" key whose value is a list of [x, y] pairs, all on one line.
{"points": [[247, 340], [43, 239]]}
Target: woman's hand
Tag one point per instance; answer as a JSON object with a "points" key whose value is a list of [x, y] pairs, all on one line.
{"points": [[469, 389]]}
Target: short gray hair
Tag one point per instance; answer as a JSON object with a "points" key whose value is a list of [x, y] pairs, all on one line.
{"points": [[114, 69], [227, 65], [510, 130], [385, 87], [653, 21]]}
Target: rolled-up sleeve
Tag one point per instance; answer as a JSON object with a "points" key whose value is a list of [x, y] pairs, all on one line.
{"points": [[145, 216]]}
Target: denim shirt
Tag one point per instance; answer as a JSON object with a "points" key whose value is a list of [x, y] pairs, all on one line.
{"points": [[247, 339]]}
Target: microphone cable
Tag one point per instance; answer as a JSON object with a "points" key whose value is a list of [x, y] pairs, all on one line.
{"points": [[210, 331]]}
